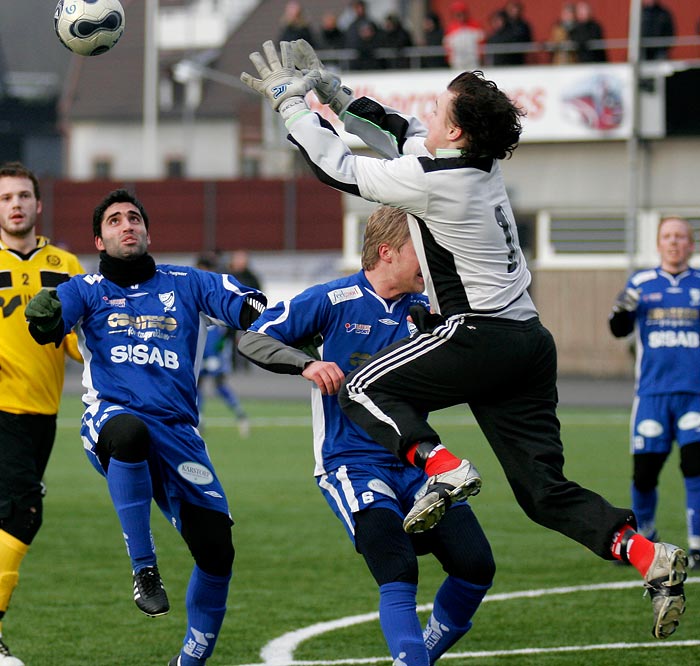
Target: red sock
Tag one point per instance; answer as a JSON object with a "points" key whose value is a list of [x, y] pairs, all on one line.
{"points": [[439, 460], [640, 551]]}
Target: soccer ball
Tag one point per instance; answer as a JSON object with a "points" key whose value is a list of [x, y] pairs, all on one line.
{"points": [[89, 27]]}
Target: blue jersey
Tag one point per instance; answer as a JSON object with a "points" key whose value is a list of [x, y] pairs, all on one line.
{"points": [[142, 345], [355, 323], [667, 331]]}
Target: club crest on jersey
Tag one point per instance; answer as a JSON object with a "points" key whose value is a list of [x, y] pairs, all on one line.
{"points": [[168, 301], [344, 294], [360, 329]]}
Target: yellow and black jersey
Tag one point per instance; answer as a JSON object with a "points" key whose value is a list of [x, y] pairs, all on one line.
{"points": [[31, 375]]}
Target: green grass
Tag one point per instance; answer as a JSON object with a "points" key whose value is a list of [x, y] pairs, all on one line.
{"points": [[295, 566]]}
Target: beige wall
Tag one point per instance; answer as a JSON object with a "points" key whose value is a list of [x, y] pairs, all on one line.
{"points": [[574, 305]]}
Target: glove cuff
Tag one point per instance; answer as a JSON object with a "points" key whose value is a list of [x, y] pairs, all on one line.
{"points": [[292, 106], [341, 100]]}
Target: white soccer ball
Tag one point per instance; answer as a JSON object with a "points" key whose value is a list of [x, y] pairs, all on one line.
{"points": [[89, 27]]}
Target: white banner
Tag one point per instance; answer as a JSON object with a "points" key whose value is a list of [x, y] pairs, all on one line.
{"points": [[563, 102]]}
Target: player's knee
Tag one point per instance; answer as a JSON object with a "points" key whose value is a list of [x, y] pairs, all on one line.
{"points": [[208, 536], [386, 548], [25, 520], [647, 467], [690, 460], [125, 438]]}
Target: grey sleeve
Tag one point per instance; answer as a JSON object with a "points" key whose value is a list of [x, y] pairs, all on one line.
{"points": [[273, 355]]}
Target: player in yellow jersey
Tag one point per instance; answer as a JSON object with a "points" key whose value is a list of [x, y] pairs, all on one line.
{"points": [[31, 375]]}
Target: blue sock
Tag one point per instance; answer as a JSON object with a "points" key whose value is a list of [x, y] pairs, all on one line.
{"points": [[692, 501], [644, 508], [400, 624], [131, 491], [455, 604], [206, 607]]}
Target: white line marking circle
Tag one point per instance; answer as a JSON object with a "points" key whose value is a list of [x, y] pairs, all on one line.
{"points": [[280, 651]]}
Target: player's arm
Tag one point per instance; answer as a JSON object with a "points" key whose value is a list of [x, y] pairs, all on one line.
{"points": [[624, 312], [276, 356], [45, 317], [382, 128]]}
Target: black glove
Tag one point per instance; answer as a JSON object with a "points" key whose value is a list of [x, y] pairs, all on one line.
{"points": [[426, 322], [44, 314]]}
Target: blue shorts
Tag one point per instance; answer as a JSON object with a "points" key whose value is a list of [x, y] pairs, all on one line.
{"points": [[351, 489], [181, 470], [658, 420]]}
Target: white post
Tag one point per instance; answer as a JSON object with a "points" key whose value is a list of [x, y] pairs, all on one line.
{"points": [[150, 161]]}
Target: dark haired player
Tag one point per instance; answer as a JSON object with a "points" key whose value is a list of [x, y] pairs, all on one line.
{"points": [[142, 329]]}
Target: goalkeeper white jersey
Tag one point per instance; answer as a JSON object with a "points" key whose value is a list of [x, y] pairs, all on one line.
{"points": [[142, 345], [460, 218]]}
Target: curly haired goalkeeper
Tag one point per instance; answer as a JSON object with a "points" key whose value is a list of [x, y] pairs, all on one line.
{"points": [[485, 345]]}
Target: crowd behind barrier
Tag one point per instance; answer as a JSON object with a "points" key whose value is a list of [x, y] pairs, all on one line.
{"points": [[352, 40]]}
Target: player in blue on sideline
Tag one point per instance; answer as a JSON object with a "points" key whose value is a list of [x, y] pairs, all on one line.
{"points": [[662, 306], [141, 329], [368, 489]]}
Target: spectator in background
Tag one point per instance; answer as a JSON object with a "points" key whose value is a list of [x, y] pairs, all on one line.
{"points": [[433, 35], [294, 24], [330, 35], [395, 36], [356, 25], [560, 37], [585, 30], [657, 21], [498, 35], [365, 46], [518, 30], [463, 38]]}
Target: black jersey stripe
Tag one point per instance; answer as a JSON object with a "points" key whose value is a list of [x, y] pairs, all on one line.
{"points": [[53, 278]]}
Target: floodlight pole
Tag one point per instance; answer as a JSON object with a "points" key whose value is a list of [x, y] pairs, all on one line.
{"points": [[633, 50], [149, 161]]}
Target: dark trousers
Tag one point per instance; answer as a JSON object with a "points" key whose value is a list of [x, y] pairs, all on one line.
{"points": [[506, 372]]}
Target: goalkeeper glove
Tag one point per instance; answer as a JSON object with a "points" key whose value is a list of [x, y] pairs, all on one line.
{"points": [[283, 85], [329, 88], [627, 301], [44, 314]]}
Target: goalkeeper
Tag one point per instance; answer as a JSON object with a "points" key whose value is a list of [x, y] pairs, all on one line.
{"points": [[485, 346], [141, 326]]}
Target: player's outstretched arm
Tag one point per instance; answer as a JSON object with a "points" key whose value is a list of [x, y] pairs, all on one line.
{"points": [[329, 88], [45, 317], [283, 85]]}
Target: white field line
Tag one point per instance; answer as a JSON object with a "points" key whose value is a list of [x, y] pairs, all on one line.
{"points": [[280, 651]]}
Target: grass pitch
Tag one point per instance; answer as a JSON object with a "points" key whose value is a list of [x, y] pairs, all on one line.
{"points": [[295, 567]]}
